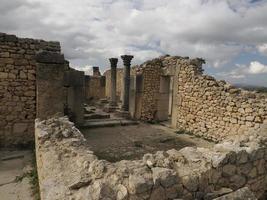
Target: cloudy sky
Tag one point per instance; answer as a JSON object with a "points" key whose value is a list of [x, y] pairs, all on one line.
{"points": [[230, 34]]}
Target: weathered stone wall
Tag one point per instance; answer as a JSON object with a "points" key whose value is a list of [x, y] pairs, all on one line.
{"points": [[95, 87], [119, 83], [191, 173], [206, 107], [17, 87], [214, 109], [151, 72]]}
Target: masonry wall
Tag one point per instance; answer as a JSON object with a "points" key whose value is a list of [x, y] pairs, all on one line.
{"points": [[202, 105], [17, 87], [151, 72], [214, 109], [95, 87], [190, 173]]}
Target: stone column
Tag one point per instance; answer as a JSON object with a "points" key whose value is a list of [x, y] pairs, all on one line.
{"points": [[113, 77], [50, 95], [96, 71], [126, 84], [76, 95]]}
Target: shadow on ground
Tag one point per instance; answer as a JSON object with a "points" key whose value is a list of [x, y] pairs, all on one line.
{"points": [[132, 142]]}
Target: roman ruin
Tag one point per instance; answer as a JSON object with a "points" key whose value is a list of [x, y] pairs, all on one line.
{"points": [[159, 130]]}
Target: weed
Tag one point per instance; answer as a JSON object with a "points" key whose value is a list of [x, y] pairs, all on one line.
{"points": [[32, 175]]}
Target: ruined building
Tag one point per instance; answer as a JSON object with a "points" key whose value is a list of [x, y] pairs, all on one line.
{"points": [[37, 82]]}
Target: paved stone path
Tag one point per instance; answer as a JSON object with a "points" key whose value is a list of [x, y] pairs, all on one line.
{"points": [[13, 164]]}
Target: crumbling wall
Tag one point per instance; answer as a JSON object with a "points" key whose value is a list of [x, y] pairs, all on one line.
{"points": [[95, 87], [17, 87], [150, 72], [149, 97], [191, 173], [119, 83], [208, 108], [214, 109]]}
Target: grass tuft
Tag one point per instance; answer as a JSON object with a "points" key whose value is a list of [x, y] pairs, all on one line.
{"points": [[32, 175]]}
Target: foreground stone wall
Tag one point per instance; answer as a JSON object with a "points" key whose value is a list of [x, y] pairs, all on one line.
{"points": [[17, 87], [95, 87], [208, 108], [68, 170]]}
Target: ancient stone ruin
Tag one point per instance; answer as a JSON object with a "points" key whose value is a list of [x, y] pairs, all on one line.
{"points": [[37, 86]]}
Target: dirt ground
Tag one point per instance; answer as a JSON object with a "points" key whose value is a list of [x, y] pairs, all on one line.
{"points": [[13, 164], [132, 142]]}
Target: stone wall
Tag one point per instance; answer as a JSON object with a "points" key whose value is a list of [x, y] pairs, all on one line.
{"points": [[17, 87], [151, 72], [95, 87], [107, 74], [206, 107], [191, 173], [214, 109]]}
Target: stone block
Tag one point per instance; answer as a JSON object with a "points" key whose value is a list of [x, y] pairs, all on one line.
{"points": [[10, 38], [22, 75], [3, 75], [243, 193], [4, 54], [50, 57], [20, 127]]}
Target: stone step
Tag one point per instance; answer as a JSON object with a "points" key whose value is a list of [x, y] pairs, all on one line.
{"points": [[108, 123], [96, 116], [103, 101], [89, 110], [105, 120], [124, 114], [110, 109]]}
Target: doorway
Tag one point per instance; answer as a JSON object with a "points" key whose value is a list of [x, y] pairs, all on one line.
{"points": [[164, 103]]}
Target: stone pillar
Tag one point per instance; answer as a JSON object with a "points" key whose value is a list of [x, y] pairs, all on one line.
{"points": [[50, 95], [126, 81], [76, 95], [96, 71], [113, 77]]}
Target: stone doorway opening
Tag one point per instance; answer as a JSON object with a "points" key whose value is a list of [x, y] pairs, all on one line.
{"points": [[165, 99]]}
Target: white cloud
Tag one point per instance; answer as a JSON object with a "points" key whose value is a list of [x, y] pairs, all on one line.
{"points": [[262, 49], [88, 69], [92, 31], [257, 68], [242, 71]]}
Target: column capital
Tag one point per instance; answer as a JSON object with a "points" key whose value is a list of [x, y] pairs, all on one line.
{"points": [[113, 61], [127, 59]]}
